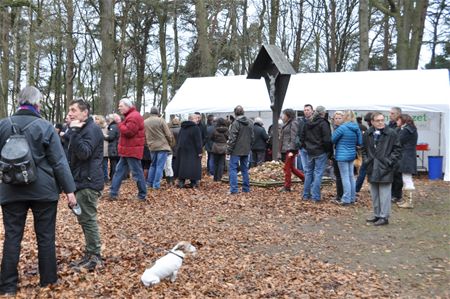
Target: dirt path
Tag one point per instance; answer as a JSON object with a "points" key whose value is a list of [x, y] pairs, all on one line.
{"points": [[413, 251]]}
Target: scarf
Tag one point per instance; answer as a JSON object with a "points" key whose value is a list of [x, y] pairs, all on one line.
{"points": [[29, 107]]}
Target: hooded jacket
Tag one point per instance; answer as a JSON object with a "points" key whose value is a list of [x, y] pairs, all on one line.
{"points": [[241, 137], [53, 171], [346, 137], [316, 137]]}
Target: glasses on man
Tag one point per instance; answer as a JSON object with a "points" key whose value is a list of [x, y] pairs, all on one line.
{"points": [[379, 120]]}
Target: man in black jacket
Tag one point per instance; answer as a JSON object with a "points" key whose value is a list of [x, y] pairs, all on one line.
{"points": [[85, 159], [316, 139], [381, 152], [41, 196]]}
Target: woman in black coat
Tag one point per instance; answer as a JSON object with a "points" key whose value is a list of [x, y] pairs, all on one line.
{"points": [[219, 146], [113, 142], [188, 164], [408, 164]]}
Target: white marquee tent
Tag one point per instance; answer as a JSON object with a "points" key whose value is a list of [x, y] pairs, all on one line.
{"points": [[414, 91]]}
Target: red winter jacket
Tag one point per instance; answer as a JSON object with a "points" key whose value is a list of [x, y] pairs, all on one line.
{"points": [[132, 135]]}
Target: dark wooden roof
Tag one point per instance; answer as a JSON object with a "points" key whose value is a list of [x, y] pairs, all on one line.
{"points": [[268, 55]]}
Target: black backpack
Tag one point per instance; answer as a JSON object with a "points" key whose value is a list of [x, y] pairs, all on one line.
{"points": [[17, 166]]}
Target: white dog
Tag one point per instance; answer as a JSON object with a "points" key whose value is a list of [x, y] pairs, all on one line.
{"points": [[168, 265]]}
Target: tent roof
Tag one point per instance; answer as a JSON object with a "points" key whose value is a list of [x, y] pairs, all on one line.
{"points": [[219, 94], [412, 90]]}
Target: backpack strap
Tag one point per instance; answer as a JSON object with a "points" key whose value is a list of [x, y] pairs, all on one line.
{"points": [[16, 128]]}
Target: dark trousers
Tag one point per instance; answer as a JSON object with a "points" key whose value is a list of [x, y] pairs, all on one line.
{"points": [[112, 166], [337, 173], [219, 164], [210, 163], [258, 157], [14, 217], [361, 177], [397, 185]]}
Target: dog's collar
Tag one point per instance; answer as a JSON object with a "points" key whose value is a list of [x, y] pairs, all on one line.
{"points": [[176, 254]]}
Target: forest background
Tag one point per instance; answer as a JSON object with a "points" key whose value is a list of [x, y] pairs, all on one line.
{"points": [[102, 51]]}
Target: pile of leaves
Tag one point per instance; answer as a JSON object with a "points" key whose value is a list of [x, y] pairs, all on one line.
{"points": [[269, 171], [249, 246]]}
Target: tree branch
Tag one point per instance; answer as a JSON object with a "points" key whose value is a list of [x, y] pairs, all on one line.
{"points": [[381, 7]]}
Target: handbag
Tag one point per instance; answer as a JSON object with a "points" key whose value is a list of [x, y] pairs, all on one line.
{"points": [[219, 148]]}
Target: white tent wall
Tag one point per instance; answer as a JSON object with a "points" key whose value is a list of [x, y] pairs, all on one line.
{"points": [[423, 92]]}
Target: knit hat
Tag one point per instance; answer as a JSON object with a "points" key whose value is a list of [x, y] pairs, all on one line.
{"points": [[320, 109]]}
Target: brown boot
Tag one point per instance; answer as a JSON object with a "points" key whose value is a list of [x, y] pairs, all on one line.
{"points": [[407, 204]]}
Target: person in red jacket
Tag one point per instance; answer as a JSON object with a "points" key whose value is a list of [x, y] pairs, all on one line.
{"points": [[131, 149]]}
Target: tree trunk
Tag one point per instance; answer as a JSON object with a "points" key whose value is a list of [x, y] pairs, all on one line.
{"points": [[298, 39], [363, 64], [107, 66], [17, 53], [261, 22], [70, 48], [162, 20], [333, 33], [273, 26], [176, 47], [4, 35], [120, 58], [244, 45], [202, 28], [386, 43], [31, 49]]}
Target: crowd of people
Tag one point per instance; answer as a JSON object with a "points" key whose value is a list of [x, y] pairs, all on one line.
{"points": [[89, 151]]}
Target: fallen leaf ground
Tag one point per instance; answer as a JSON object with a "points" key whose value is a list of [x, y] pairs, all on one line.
{"points": [[258, 245]]}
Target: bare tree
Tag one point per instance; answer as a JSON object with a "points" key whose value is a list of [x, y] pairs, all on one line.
{"points": [[363, 64], [202, 38], [107, 60], [410, 23], [273, 25], [70, 48]]}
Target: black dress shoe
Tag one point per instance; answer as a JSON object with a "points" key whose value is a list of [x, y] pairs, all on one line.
{"points": [[395, 199], [381, 221], [373, 219]]}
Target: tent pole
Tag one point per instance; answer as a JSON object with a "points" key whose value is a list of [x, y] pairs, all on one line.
{"points": [[440, 133]]}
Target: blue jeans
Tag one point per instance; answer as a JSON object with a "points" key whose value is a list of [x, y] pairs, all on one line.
{"points": [[242, 161], [105, 168], [303, 157], [314, 169], [155, 172], [210, 161], [348, 181], [123, 167], [361, 177]]}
